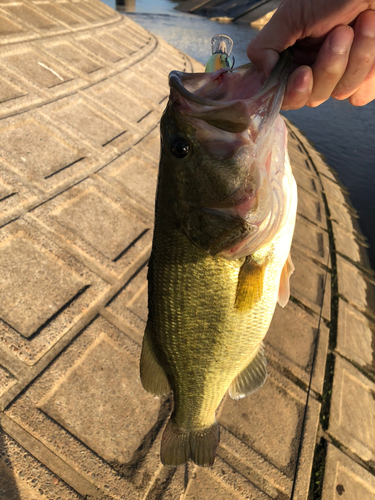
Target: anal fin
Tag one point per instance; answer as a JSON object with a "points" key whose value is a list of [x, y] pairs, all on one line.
{"points": [[251, 378], [284, 287], [250, 284], [153, 377]]}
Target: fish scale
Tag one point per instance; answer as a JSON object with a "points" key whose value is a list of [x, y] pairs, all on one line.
{"points": [[209, 333]]}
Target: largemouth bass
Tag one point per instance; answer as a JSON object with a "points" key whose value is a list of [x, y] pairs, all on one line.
{"points": [[224, 220]]}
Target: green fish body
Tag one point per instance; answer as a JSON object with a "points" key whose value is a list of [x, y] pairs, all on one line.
{"points": [[224, 220]]}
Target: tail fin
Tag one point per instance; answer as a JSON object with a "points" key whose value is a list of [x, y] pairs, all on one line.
{"points": [[180, 445]]}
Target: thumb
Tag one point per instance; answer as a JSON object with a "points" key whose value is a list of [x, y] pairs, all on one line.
{"points": [[277, 35]]}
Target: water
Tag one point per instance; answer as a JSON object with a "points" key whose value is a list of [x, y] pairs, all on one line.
{"points": [[343, 133], [190, 33]]}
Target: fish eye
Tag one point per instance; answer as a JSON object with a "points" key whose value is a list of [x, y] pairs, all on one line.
{"points": [[180, 147]]}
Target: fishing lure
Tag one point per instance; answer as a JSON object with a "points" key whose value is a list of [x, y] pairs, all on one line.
{"points": [[221, 46]]}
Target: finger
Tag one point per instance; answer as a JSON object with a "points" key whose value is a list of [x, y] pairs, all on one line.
{"points": [[298, 89], [331, 64], [361, 57], [366, 91], [267, 62], [277, 35]]}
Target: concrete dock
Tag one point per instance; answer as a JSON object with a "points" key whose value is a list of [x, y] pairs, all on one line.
{"points": [[82, 89]]}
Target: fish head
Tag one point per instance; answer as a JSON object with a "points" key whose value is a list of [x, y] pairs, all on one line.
{"points": [[216, 153]]}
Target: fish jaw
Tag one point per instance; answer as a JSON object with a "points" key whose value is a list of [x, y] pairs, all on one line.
{"points": [[227, 118]]}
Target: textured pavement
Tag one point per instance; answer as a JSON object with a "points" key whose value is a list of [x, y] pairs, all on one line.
{"points": [[82, 89]]}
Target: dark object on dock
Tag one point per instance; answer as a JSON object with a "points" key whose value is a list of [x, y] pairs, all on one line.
{"points": [[245, 11], [125, 5]]}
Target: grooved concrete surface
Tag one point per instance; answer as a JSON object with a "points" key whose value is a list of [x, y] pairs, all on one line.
{"points": [[82, 89]]}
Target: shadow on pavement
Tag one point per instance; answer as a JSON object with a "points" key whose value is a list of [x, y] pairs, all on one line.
{"points": [[8, 485]]}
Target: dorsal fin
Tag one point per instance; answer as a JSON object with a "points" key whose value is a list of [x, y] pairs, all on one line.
{"points": [[251, 378]]}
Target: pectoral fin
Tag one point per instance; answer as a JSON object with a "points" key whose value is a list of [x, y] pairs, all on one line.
{"points": [[153, 377], [250, 284], [284, 287], [251, 378]]}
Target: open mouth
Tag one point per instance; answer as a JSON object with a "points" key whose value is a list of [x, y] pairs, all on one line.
{"points": [[222, 86], [233, 100]]}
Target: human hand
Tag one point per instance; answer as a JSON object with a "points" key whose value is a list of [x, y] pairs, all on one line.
{"points": [[332, 58]]}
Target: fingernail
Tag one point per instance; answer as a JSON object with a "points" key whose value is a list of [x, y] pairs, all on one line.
{"points": [[367, 25], [301, 88], [341, 40], [301, 82]]}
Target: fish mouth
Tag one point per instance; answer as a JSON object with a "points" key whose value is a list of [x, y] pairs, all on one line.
{"points": [[232, 99], [205, 89]]}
